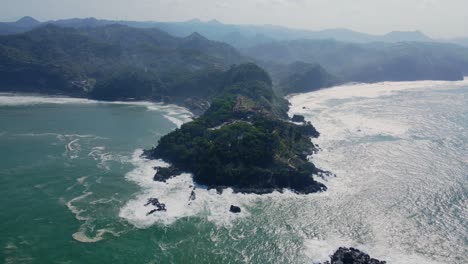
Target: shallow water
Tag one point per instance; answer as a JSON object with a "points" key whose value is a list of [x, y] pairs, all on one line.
{"points": [[74, 187]]}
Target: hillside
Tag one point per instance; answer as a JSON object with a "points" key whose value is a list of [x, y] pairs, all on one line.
{"points": [[405, 61], [240, 36], [112, 62], [299, 77], [242, 141]]}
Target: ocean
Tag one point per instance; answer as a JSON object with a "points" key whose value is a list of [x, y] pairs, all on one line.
{"points": [[74, 185]]}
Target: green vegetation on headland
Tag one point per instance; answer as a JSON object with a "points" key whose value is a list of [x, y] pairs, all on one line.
{"points": [[243, 141]]}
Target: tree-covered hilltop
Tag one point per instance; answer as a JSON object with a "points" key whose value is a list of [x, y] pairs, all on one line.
{"points": [[112, 62], [243, 140]]}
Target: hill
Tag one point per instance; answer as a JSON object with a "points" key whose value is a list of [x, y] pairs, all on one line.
{"points": [[239, 36], [112, 62], [299, 77], [242, 141], [403, 61]]}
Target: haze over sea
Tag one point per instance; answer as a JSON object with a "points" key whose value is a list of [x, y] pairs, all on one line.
{"points": [[74, 187]]}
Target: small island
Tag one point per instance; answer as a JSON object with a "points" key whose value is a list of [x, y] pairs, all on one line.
{"points": [[244, 141]]}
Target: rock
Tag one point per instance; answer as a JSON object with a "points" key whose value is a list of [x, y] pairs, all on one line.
{"points": [[352, 256], [298, 119], [192, 195], [152, 201], [155, 202], [234, 209], [164, 174], [151, 212], [219, 189]]}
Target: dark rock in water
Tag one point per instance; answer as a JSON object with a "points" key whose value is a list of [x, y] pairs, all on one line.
{"points": [[164, 174], [192, 195], [219, 189], [152, 201], [155, 202], [234, 209], [298, 118], [151, 212], [352, 256]]}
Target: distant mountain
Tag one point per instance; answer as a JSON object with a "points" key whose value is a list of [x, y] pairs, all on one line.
{"points": [[405, 36], [112, 62], [240, 36], [299, 77], [404, 61], [325, 57], [27, 22], [22, 25], [461, 41]]}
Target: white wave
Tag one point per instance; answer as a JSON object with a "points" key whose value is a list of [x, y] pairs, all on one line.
{"points": [[373, 90], [10, 246], [81, 180], [397, 150], [83, 238], [75, 210], [104, 201], [9, 99], [175, 121], [61, 137], [175, 114], [176, 193], [70, 145]]}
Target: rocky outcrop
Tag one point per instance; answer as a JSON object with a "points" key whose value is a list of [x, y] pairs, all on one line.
{"points": [[298, 119], [234, 209], [352, 256], [164, 174], [155, 202]]}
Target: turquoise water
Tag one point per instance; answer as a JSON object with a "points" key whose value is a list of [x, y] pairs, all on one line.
{"points": [[74, 187], [53, 153]]}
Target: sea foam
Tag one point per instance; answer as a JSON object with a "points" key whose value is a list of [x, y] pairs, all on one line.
{"points": [[397, 151], [175, 114]]}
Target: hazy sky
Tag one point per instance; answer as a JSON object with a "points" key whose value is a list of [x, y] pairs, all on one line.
{"points": [[438, 18]]}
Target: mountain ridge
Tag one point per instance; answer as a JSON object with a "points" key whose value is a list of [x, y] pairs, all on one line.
{"points": [[219, 31]]}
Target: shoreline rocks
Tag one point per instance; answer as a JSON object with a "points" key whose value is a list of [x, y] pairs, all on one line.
{"points": [[235, 209], [352, 256], [155, 202]]}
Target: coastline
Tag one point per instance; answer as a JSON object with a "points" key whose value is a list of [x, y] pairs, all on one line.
{"points": [[338, 188], [14, 99]]}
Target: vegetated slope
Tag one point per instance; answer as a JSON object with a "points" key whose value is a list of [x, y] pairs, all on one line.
{"points": [[110, 62], [299, 77], [240, 36], [243, 140], [405, 61]]}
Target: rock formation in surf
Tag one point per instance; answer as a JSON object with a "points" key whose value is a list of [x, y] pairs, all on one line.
{"points": [[352, 256]]}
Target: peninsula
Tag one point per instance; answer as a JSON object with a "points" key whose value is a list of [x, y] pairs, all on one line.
{"points": [[244, 141]]}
